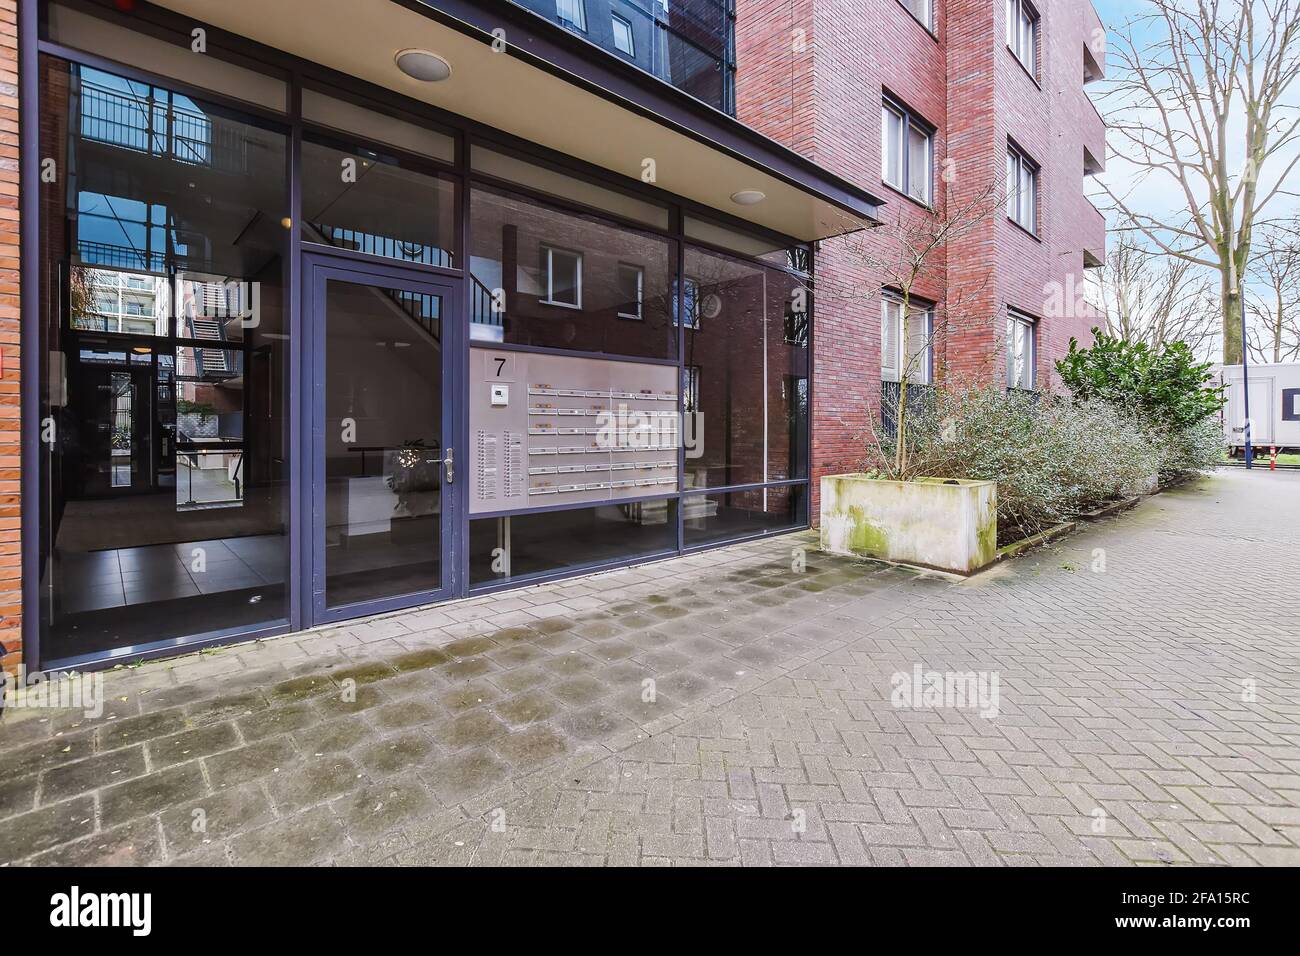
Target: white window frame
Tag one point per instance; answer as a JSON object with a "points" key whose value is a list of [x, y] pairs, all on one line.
{"points": [[565, 7], [925, 16], [1023, 31], [921, 365], [890, 109], [639, 314], [1022, 329], [550, 252], [615, 20], [1022, 203]]}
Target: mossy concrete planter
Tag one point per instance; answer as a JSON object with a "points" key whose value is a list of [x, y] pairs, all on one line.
{"points": [[939, 523]]}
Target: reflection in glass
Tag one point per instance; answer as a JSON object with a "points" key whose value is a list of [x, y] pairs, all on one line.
{"points": [[364, 201], [747, 335], [382, 443], [549, 278], [715, 518], [164, 511], [521, 546]]}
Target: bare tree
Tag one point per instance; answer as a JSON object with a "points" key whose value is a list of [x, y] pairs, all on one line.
{"points": [[896, 255], [1157, 299], [1201, 100], [1275, 305]]}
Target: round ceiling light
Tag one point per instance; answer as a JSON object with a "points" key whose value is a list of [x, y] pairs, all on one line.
{"points": [[422, 65], [748, 197]]}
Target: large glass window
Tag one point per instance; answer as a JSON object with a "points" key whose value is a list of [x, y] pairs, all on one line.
{"points": [[717, 518], [544, 277], [163, 392], [747, 344], [523, 546], [358, 199]]}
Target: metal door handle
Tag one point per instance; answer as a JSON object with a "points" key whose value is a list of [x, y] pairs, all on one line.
{"points": [[449, 463]]}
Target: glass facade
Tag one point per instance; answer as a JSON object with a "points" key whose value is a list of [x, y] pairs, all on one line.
{"points": [[689, 43], [164, 473], [193, 399]]}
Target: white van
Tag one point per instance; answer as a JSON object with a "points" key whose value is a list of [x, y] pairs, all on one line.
{"points": [[1274, 406]]}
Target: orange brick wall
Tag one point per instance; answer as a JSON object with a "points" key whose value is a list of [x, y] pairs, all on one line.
{"points": [[10, 417]]}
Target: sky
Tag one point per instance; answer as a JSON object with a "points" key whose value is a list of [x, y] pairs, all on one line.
{"points": [[1158, 194]]}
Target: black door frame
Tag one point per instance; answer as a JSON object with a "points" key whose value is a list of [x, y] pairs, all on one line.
{"points": [[309, 478]]}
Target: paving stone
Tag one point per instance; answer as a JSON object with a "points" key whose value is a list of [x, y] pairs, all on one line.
{"points": [[772, 704], [192, 744], [92, 773], [297, 840], [266, 757], [214, 817], [38, 830], [150, 794]]}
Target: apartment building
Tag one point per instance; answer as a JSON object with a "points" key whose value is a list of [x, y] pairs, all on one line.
{"points": [[937, 104], [324, 308]]}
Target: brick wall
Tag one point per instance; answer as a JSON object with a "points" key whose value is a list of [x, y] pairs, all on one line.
{"points": [[10, 418], [812, 73]]}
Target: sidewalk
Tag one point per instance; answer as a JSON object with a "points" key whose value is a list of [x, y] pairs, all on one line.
{"points": [[520, 728]]}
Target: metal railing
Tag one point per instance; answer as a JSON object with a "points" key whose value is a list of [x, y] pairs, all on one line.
{"points": [[891, 393], [158, 127]]}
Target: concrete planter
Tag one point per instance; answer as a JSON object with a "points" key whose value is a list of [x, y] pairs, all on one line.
{"points": [[948, 524]]}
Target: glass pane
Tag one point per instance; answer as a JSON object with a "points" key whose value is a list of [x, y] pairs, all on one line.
{"points": [[172, 57], [512, 241], [359, 121], [786, 320], [166, 509], [520, 546], [382, 442], [918, 165], [747, 340], [367, 202], [712, 519], [892, 144], [513, 170]]}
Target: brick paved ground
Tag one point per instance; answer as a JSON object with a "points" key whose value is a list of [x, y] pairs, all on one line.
{"points": [[513, 729]]}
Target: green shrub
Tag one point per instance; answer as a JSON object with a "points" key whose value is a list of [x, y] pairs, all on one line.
{"points": [[1052, 458], [1165, 388]]}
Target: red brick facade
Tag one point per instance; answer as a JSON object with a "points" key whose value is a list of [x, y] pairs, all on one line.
{"points": [[10, 419], [812, 74]]}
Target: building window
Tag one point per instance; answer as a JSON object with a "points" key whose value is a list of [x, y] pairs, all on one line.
{"points": [[907, 351], [572, 13], [1022, 33], [1021, 348], [563, 271], [631, 287], [1022, 189], [691, 304], [908, 152], [623, 35], [923, 10]]}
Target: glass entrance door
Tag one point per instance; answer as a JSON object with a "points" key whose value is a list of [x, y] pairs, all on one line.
{"points": [[384, 460]]}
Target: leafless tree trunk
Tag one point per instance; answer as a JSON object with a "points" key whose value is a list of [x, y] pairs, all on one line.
{"points": [[1208, 105], [1158, 299]]}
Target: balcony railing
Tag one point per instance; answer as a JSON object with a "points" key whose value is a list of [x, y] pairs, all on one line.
{"points": [[688, 43], [158, 127]]}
